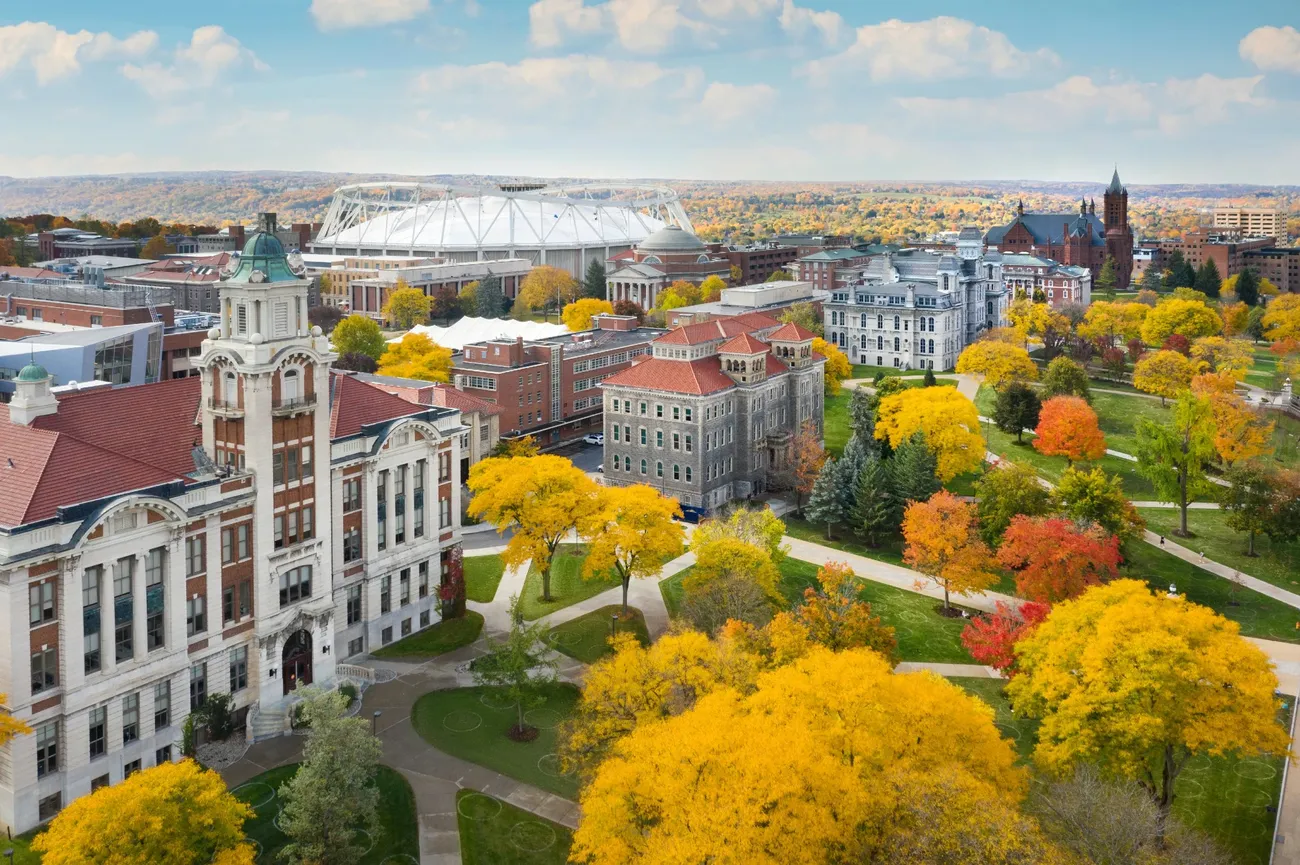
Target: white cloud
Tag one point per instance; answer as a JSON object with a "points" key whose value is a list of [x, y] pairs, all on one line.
{"points": [[798, 21], [1272, 48], [550, 20], [210, 53], [53, 53], [342, 14], [566, 80], [933, 50], [725, 104]]}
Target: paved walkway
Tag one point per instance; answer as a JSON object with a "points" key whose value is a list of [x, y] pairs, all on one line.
{"points": [[1277, 593]]}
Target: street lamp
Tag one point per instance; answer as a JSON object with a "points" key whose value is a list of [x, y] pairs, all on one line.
{"points": [[9, 854], [613, 626], [374, 721]]}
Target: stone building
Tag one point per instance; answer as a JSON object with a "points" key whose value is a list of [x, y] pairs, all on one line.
{"points": [[667, 256], [711, 416]]}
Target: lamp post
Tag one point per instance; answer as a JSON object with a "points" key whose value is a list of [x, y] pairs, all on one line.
{"points": [[613, 625], [9, 854], [374, 722]]}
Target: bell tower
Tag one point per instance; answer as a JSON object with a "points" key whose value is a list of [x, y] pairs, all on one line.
{"points": [[1119, 236], [265, 414]]}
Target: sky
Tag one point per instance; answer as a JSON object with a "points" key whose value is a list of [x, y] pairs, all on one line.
{"points": [[818, 90]]}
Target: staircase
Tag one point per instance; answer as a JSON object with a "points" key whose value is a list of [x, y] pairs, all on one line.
{"points": [[266, 725]]}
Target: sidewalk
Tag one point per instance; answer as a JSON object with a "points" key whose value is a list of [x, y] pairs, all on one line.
{"points": [[1291, 599]]}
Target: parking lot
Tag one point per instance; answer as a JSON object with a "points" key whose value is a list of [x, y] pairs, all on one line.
{"points": [[584, 456]]}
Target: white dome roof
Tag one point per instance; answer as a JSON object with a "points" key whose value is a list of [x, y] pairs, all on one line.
{"points": [[671, 238]]}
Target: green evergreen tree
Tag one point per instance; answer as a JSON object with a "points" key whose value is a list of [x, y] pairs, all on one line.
{"points": [[1106, 279], [1207, 279], [593, 283], [1255, 323], [489, 302], [862, 413], [913, 472], [1248, 287], [929, 378], [1153, 279], [875, 511], [1015, 409], [826, 503]]}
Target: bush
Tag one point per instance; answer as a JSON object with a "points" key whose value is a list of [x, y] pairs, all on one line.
{"points": [[350, 691], [217, 717]]}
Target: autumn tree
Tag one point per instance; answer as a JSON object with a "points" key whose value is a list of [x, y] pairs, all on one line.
{"points": [[325, 317], [632, 534], [541, 498], [1236, 318], [1240, 431], [804, 314], [1281, 319], [1008, 491], [579, 314], [942, 541], [1173, 455], [1094, 497], [1233, 356], [725, 557], [1016, 408], [991, 638], [711, 778], [711, 288], [837, 368], [406, 306], [416, 357], [1189, 318], [9, 725], [524, 446], [836, 617], [546, 287], [1064, 377], [594, 281], [1138, 683], [333, 793], [949, 421], [757, 526], [358, 334], [1164, 374], [1068, 427], [1113, 323], [1248, 501], [174, 812], [356, 362], [1055, 558], [780, 276], [1000, 363], [157, 247], [807, 456]]}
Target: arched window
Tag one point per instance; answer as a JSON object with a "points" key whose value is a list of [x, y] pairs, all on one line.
{"points": [[895, 343], [880, 322], [880, 344], [864, 340], [230, 388], [643, 466], [290, 386], [896, 322], [864, 320]]}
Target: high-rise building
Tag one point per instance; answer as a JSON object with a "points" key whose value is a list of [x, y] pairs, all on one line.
{"points": [[1253, 221]]}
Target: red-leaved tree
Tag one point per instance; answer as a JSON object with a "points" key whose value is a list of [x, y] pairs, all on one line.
{"points": [[1068, 427], [1054, 559], [991, 639], [1179, 343]]}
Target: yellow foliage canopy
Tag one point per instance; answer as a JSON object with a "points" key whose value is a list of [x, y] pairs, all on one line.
{"points": [[1190, 318], [1233, 356], [418, 357], [406, 306], [1114, 322], [1164, 373], [998, 362], [950, 422], [1282, 318], [838, 367], [547, 286], [632, 533], [9, 725], [578, 315]]}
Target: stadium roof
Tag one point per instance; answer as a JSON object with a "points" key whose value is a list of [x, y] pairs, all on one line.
{"points": [[470, 330]]}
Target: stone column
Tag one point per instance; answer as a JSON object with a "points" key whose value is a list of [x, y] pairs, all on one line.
{"points": [[139, 608]]}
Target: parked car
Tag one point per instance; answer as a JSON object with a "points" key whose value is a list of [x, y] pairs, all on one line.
{"points": [[601, 468], [594, 439]]}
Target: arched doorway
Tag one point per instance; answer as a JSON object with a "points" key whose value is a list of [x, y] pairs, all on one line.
{"points": [[296, 662]]}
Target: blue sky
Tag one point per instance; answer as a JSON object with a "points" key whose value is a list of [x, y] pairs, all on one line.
{"points": [[726, 89]]}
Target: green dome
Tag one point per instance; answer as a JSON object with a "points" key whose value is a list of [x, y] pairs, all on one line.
{"points": [[263, 244], [33, 372]]}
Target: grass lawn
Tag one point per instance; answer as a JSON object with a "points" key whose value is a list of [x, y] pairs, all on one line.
{"points": [[1135, 486], [1277, 563], [493, 832], [1286, 439], [835, 421], [567, 585], [22, 847], [436, 639], [964, 484], [865, 371], [482, 576], [471, 723], [399, 835], [586, 638], [673, 594], [1259, 615], [1022, 731]]}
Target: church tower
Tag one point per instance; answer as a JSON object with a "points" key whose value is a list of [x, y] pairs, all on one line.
{"points": [[265, 412], [1119, 236]]}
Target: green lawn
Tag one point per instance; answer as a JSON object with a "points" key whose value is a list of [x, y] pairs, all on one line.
{"points": [[482, 576], [436, 639], [865, 371], [1022, 731], [835, 421], [398, 838], [964, 484], [22, 847], [567, 585], [1277, 563], [471, 723], [673, 594], [493, 832], [586, 638], [1286, 439]]}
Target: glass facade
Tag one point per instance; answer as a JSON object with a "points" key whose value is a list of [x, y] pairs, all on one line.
{"points": [[113, 360]]}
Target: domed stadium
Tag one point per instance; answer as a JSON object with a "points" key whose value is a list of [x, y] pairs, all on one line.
{"points": [[565, 226]]}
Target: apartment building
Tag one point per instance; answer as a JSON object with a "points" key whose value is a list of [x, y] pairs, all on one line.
{"points": [[1252, 221]]}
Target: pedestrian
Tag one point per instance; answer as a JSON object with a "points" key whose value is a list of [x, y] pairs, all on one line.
{"points": [[1162, 540], [1202, 556]]}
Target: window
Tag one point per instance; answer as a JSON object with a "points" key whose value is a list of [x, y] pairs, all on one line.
{"points": [[386, 636], [194, 555], [291, 464], [228, 604], [227, 545], [47, 752], [98, 732], [130, 769], [352, 544], [198, 685], [404, 587], [162, 755], [424, 580], [677, 413], [659, 470], [278, 531], [677, 472], [352, 494], [354, 604], [444, 513], [41, 600], [91, 640], [355, 646], [45, 669], [385, 594], [406, 627], [688, 413], [381, 536], [688, 442], [643, 466], [98, 783], [659, 410], [238, 669], [306, 463], [677, 441], [643, 435], [295, 584], [194, 618], [417, 483], [308, 522], [424, 619], [659, 438], [162, 705], [688, 474], [130, 718], [642, 409]]}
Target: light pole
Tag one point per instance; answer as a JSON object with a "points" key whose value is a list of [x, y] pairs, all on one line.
{"points": [[613, 625], [374, 722]]}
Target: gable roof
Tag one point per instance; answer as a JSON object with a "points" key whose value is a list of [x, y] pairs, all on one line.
{"points": [[743, 344], [696, 377], [353, 404], [1048, 227], [791, 332]]}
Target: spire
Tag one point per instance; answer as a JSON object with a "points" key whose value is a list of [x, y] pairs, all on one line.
{"points": [[1115, 186], [1092, 206], [1083, 207], [1020, 207]]}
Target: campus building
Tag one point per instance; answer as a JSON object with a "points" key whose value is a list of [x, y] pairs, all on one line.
{"points": [[245, 531], [671, 254]]}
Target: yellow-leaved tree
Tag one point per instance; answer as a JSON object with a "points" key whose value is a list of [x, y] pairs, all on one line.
{"points": [[832, 758], [175, 812], [406, 306], [417, 357], [1282, 318], [1186, 317], [631, 534], [1233, 356], [1114, 323], [942, 541], [999, 363], [546, 286], [837, 368], [1138, 683], [711, 288], [950, 422], [9, 725], [542, 498], [1164, 373], [578, 315]]}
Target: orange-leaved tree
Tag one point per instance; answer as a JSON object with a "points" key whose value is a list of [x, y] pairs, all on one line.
{"points": [[1068, 427], [943, 542], [1054, 559], [837, 617], [807, 458]]}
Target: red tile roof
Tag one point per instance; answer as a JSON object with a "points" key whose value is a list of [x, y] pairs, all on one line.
{"points": [[353, 404], [792, 332], [718, 328], [752, 321], [674, 376], [449, 397], [775, 365], [743, 344], [16, 272]]}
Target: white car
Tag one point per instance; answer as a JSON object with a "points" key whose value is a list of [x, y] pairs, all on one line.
{"points": [[594, 439], [601, 468]]}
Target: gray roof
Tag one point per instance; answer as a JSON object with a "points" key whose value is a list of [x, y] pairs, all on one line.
{"points": [[1115, 185], [838, 254], [641, 270], [1049, 227], [970, 232], [671, 238]]}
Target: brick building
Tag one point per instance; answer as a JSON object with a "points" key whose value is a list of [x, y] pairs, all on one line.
{"points": [[756, 261], [1226, 248], [828, 269], [669, 255], [1279, 264]]}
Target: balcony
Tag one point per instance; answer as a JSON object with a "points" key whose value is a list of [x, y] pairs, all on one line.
{"points": [[296, 405], [225, 408]]}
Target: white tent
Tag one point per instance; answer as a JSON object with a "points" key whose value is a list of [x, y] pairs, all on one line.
{"points": [[470, 330]]}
